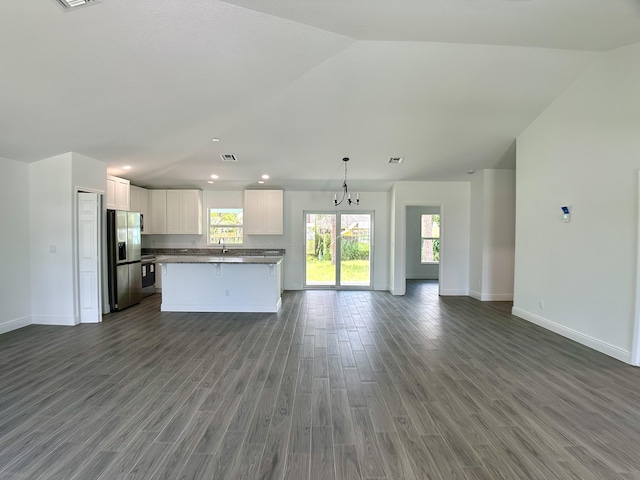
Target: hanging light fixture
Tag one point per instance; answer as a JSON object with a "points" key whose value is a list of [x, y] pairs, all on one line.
{"points": [[345, 189]]}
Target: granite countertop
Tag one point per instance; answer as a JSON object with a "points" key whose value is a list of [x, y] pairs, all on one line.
{"points": [[248, 259], [216, 252]]}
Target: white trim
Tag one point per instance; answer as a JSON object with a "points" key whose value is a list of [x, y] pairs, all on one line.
{"points": [[177, 307], [62, 320], [491, 297], [14, 324], [591, 342], [635, 345], [422, 276]]}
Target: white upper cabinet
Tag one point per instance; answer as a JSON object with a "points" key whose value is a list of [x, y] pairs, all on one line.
{"points": [[157, 222], [184, 212], [176, 212], [263, 212], [139, 202], [117, 193]]}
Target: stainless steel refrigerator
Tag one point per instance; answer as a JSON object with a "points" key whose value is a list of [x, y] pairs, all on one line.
{"points": [[125, 270]]}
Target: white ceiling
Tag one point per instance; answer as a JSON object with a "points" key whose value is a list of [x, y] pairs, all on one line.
{"points": [[291, 87]]}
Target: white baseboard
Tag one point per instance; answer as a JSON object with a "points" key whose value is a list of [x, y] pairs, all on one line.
{"points": [[491, 297], [591, 342], [14, 324], [61, 320], [178, 307]]}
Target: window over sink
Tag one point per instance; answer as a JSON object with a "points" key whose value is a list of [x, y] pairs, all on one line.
{"points": [[225, 226]]}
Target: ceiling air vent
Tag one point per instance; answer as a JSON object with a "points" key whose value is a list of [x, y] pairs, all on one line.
{"points": [[396, 160], [228, 157], [73, 4]]}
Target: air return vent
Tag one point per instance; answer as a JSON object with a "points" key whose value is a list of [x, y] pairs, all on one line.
{"points": [[228, 157], [73, 4], [396, 160]]}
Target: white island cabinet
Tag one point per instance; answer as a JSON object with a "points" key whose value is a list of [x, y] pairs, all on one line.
{"points": [[220, 284]]}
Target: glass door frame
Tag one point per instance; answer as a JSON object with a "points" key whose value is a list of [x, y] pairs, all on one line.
{"points": [[338, 248]]}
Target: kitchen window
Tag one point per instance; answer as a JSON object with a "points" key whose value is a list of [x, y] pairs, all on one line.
{"points": [[225, 226], [430, 243]]}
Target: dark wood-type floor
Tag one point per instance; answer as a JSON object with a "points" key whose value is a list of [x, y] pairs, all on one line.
{"points": [[338, 385]]}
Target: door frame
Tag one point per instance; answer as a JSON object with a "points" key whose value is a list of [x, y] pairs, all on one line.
{"points": [[403, 260], [76, 251], [635, 346], [337, 286]]}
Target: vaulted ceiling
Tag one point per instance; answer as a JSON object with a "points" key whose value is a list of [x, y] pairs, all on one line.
{"points": [[290, 87]]}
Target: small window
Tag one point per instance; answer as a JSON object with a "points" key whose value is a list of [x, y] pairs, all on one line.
{"points": [[430, 244], [225, 226]]}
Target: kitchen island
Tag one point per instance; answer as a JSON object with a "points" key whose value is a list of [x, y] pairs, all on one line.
{"points": [[201, 283]]}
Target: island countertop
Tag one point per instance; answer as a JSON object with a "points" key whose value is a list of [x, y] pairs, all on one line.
{"points": [[248, 259]]}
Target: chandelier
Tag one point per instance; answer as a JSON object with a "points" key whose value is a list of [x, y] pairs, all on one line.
{"points": [[345, 189]]}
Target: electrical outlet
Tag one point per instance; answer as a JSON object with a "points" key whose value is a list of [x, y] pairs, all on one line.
{"points": [[541, 304]]}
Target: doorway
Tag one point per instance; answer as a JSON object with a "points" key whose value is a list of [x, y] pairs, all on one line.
{"points": [[423, 255], [338, 250]]}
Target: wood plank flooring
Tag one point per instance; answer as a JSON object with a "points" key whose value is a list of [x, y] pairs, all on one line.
{"points": [[336, 386]]}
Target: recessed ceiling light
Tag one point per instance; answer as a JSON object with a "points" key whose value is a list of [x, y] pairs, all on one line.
{"points": [[215, 139], [265, 177], [260, 181], [127, 167], [396, 160], [210, 181], [471, 171], [214, 176]]}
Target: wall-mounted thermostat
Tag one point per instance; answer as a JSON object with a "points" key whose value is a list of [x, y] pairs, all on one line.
{"points": [[566, 215]]}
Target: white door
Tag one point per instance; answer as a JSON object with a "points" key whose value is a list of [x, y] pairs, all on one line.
{"points": [[89, 258]]}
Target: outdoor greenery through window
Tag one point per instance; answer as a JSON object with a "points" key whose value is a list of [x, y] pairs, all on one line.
{"points": [[225, 226], [430, 233]]}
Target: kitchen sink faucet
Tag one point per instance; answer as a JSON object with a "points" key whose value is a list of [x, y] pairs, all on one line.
{"points": [[224, 249]]}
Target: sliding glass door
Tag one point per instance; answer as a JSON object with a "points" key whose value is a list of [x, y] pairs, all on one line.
{"points": [[338, 250]]}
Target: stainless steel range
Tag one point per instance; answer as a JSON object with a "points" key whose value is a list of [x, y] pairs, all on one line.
{"points": [[148, 265]]}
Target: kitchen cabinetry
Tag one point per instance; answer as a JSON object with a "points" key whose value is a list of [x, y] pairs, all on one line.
{"points": [[139, 202], [263, 212], [184, 212], [117, 193], [175, 212], [157, 212]]}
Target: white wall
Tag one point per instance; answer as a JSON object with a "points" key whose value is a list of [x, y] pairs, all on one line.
{"points": [[53, 183], [15, 292], [298, 202], [582, 151], [499, 235], [415, 269], [454, 201], [476, 251], [294, 205], [51, 207], [492, 235]]}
